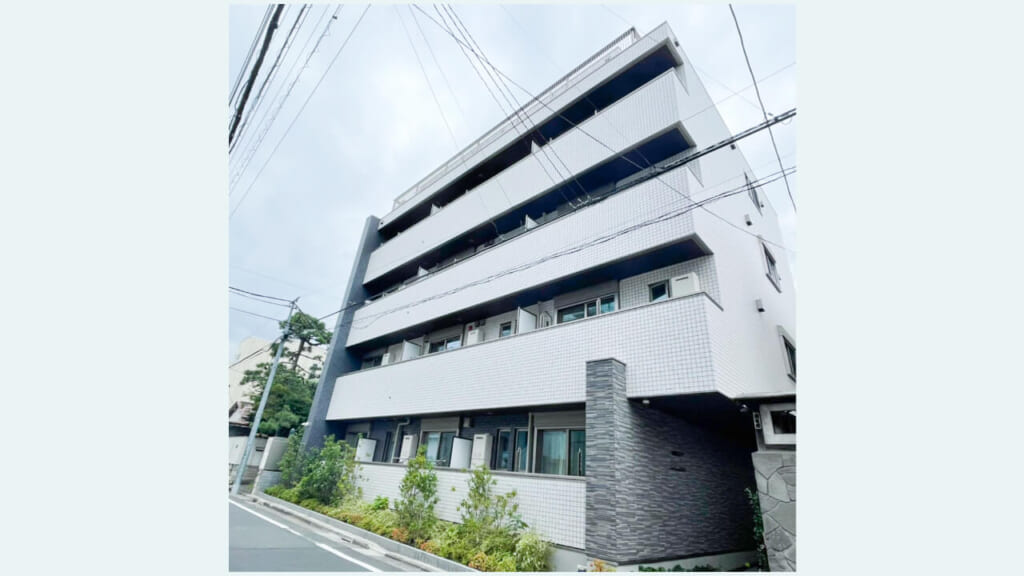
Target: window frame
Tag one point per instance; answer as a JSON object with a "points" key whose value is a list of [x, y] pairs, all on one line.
{"points": [[768, 426], [596, 302], [501, 329], [539, 449], [440, 445], [375, 361], [668, 291], [754, 195], [785, 339], [447, 340], [773, 266]]}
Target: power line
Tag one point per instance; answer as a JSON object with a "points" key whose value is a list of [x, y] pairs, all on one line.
{"points": [[760, 101], [260, 295], [282, 53], [240, 109], [675, 213], [427, 78], [595, 139], [269, 123], [283, 136], [248, 57], [253, 313]]}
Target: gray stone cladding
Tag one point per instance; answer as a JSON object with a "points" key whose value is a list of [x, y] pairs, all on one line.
{"points": [[658, 486], [775, 472]]}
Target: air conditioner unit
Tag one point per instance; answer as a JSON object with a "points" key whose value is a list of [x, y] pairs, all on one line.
{"points": [[481, 450], [685, 285], [475, 335], [409, 445], [386, 359], [365, 449], [461, 451]]}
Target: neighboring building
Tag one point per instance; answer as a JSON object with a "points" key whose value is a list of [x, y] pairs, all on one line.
{"points": [[532, 305], [249, 358]]}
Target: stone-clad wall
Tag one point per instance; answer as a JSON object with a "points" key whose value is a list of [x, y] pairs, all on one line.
{"points": [[776, 489], [658, 487]]}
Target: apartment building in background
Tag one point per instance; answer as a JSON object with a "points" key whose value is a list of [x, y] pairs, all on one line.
{"points": [[551, 303]]}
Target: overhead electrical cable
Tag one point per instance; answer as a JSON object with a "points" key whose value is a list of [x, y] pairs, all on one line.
{"points": [[299, 113], [248, 57], [240, 108]]}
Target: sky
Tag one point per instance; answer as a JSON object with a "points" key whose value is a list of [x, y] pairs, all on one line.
{"points": [[372, 129]]}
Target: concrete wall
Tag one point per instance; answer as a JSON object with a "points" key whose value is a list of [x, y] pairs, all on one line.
{"points": [[236, 447], [553, 505], [658, 487], [776, 489], [273, 450]]}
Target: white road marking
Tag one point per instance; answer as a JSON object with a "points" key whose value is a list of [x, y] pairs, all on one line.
{"points": [[349, 558], [319, 545], [274, 522]]}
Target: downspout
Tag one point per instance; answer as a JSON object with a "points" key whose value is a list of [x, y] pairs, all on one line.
{"points": [[398, 438]]}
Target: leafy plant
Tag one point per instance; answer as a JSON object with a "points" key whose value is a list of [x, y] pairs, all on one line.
{"points": [[762, 550], [490, 521], [600, 566], [380, 503], [531, 553], [294, 460], [419, 497], [331, 474]]}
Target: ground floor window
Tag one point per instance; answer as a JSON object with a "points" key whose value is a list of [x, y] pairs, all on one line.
{"points": [[511, 451], [561, 451], [439, 447]]}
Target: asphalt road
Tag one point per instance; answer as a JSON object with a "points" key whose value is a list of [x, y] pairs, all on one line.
{"points": [[262, 540]]}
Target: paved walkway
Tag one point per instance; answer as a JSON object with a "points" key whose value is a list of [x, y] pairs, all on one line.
{"points": [[263, 540]]}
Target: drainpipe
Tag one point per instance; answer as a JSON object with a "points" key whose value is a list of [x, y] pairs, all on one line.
{"points": [[398, 438]]}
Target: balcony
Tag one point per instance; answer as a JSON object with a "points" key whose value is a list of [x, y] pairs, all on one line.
{"points": [[666, 347], [618, 55], [405, 308], [648, 112]]}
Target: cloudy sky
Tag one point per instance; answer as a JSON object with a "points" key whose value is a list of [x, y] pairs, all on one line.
{"points": [[372, 128]]}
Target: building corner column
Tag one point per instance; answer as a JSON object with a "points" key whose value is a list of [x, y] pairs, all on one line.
{"points": [[606, 417]]}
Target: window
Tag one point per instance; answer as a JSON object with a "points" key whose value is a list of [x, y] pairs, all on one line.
{"points": [[385, 455], [372, 361], [778, 421], [450, 343], [561, 452], [659, 291], [439, 447], [587, 309], [503, 451], [522, 453], [789, 352], [771, 268], [505, 330], [752, 192]]}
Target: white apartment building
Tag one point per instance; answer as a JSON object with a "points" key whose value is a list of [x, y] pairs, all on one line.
{"points": [[541, 304]]}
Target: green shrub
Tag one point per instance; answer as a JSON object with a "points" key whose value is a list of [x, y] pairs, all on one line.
{"points": [[294, 460], [532, 552], [490, 522], [380, 503], [419, 496], [380, 522], [332, 473], [755, 506]]}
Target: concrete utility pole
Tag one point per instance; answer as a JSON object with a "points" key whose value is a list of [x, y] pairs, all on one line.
{"points": [[263, 402]]}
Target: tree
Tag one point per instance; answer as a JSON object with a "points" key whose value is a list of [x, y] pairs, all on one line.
{"points": [[415, 509], [309, 332], [291, 394], [291, 397]]}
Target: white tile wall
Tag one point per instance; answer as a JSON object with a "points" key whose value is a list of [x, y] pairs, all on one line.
{"points": [[634, 291], [580, 85], [644, 113], [665, 346], [554, 506], [632, 206]]}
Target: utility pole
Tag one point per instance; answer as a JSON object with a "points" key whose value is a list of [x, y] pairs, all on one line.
{"points": [[263, 402]]}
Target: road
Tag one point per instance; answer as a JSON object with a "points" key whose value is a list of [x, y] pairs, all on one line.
{"points": [[262, 540]]}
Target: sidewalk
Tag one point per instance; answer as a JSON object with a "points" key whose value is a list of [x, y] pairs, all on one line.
{"points": [[414, 557]]}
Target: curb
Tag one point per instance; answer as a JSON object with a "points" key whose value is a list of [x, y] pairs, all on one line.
{"points": [[359, 537]]}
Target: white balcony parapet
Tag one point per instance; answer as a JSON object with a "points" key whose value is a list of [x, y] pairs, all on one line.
{"points": [[621, 52], [461, 285], [647, 112], [666, 346]]}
